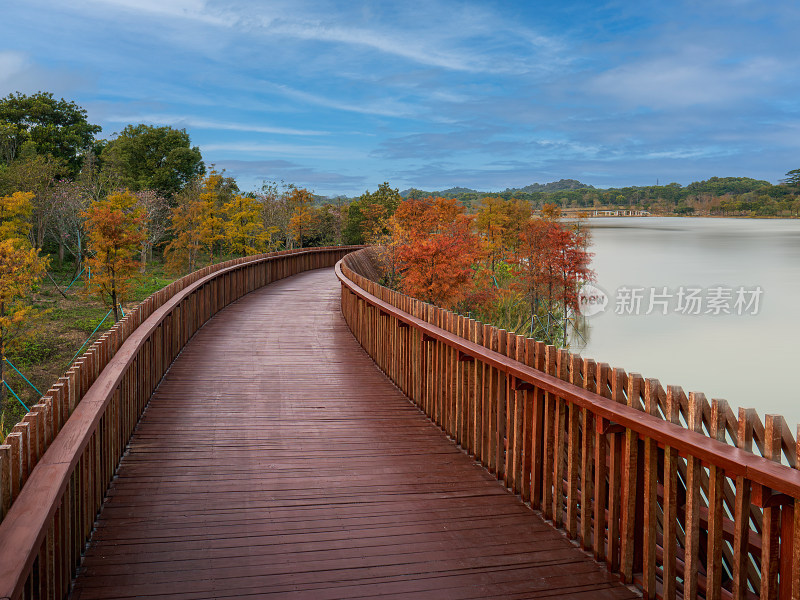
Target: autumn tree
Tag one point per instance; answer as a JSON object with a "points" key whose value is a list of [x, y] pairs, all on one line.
{"points": [[437, 249], [215, 192], [302, 221], [491, 221], [551, 212], [21, 268], [244, 232], [116, 231], [551, 265], [531, 267], [499, 222], [186, 223]]}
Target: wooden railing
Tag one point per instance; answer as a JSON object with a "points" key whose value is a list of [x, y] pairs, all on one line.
{"points": [[57, 463], [675, 494]]}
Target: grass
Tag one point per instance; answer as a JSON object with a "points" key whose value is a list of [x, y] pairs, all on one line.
{"points": [[58, 331]]}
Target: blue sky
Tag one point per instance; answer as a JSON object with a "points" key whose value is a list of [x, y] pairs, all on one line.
{"points": [[341, 96]]}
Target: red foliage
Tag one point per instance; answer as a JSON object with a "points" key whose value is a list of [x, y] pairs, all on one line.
{"points": [[552, 261], [436, 249]]}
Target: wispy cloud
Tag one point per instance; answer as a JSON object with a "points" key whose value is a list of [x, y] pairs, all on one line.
{"points": [[193, 10], [298, 150], [687, 79], [387, 108], [199, 123]]}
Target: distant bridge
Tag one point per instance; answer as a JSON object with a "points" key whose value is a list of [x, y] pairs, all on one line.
{"points": [[230, 438]]}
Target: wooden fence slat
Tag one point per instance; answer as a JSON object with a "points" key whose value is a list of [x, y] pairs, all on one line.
{"points": [[669, 525], [651, 508], [629, 497], [560, 445], [694, 502], [771, 522], [549, 438], [587, 457], [601, 477], [741, 532], [573, 449]]}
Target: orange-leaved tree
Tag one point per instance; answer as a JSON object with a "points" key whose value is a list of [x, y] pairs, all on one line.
{"points": [[186, 222], [116, 230], [437, 249], [21, 268], [551, 264], [533, 267], [301, 223]]}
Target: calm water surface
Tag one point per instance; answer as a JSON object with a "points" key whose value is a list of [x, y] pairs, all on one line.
{"points": [[751, 360]]}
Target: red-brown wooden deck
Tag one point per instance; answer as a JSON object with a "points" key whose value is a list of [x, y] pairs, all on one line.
{"points": [[276, 461]]}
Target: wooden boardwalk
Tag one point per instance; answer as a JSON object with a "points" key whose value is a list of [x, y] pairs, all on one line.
{"points": [[276, 461]]}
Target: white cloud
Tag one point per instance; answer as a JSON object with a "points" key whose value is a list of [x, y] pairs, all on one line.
{"points": [[673, 70], [19, 73], [11, 64]]}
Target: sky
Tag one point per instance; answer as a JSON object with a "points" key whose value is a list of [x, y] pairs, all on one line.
{"points": [[341, 96]]}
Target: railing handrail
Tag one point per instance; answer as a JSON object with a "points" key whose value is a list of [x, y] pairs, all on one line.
{"points": [[733, 460], [24, 527]]}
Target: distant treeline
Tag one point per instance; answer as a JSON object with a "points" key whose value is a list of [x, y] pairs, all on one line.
{"points": [[720, 196]]}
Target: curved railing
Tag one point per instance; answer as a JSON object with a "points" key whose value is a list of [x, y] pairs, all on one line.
{"points": [[645, 478], [57, 463]]}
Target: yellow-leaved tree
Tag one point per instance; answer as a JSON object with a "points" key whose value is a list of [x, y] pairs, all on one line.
{"points": [[21, 268], [212, 229], [244, 231], [116, 230]]}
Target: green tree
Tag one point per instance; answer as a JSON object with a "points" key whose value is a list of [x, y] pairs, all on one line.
{"points": [[354, 224], [376, 210], [792, 178], [54, 127], [156, 158]]}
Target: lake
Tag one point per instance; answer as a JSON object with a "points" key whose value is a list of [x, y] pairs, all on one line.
{"points": [[730, 291]]}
